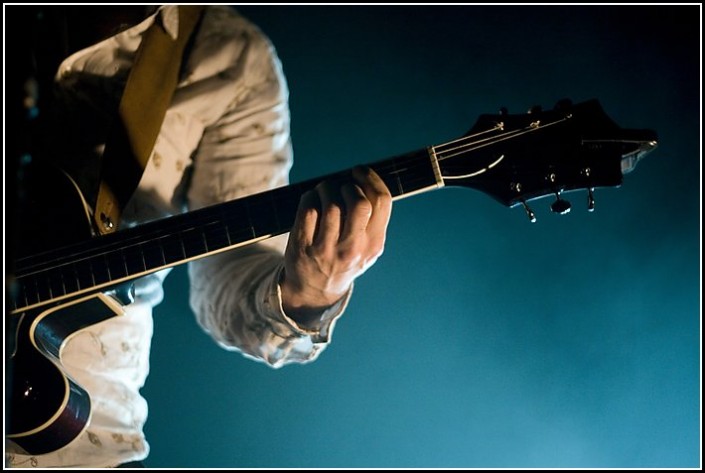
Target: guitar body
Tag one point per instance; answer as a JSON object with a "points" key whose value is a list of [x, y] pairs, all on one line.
{"points": [[47, 409]]}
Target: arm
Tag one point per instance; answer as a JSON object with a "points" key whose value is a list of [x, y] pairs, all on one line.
{"points": [[276, 309]]}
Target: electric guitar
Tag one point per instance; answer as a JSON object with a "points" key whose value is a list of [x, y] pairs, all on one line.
{"points": [[513, 158]]}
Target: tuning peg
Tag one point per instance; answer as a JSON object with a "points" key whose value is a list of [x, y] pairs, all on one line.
{"points": [[503, 111], [560, 206], [529, 213], [591, 200]]}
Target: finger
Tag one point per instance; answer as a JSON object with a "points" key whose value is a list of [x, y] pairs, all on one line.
{"points": [[379, 196], [306, 220], [358, 210], [331, 216]]}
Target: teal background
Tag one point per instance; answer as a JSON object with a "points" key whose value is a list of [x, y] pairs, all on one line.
{"points": [[478, 340]]}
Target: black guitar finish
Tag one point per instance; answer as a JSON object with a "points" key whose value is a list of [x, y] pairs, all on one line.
{"points": [[48, 408], [58, 291]]}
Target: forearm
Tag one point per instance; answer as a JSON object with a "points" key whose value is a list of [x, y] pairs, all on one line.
{"points": [[237, 300]]}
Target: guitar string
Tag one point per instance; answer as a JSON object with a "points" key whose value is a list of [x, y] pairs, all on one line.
{"points": [[535, 126], [469, 144], [209, 218], [466, 144], [413, 162], [469, 147]]}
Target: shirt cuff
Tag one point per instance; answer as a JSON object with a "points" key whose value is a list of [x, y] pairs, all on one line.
{"points": [[321, 328]]}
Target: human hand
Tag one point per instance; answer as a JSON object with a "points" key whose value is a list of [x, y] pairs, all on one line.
{"points": [[338, 233]]}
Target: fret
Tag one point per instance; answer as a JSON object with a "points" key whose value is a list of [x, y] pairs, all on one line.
{"points": [[84, 273], [60, 275], [235, 218], [34, 295], [161, 250], [414, 172], [237, 233], [181, 245], [205, 243], [192, 243], [144, 261], [42, 287], [28, 290], [124, 262], [397, 180], [116, 265], [251, 225], [260, 207], [171, 249], [227, 234], [70, 278], [167, 242], [51, 293], [99, 269], [91, 271], [107, 267], [134, 260], [153, 254], [76, 276], [216, 236], [90, 265], [55, 280]]}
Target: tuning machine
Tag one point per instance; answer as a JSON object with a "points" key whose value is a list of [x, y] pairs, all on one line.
{"points": [[516, 187], [585, 172], [560, 205], [529, 213]]}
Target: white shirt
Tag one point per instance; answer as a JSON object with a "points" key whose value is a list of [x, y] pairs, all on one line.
{"points": [[226, 135]]}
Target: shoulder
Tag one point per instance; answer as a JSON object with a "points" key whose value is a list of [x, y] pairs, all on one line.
{"points": [[227, 42], [224, 26]]}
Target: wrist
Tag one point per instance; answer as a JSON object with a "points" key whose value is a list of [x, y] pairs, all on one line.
{"points": [[305, 304]]}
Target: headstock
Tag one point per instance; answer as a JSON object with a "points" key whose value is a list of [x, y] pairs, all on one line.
{"points": [[518, 158]]}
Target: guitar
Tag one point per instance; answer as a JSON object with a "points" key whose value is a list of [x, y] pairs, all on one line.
{"points": [[513, 158]]}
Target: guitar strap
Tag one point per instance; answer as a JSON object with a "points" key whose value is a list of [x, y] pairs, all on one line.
{"points": [[148, 92]]}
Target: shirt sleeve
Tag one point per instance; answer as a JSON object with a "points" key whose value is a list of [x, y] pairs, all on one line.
{"points": [[247, 149]]}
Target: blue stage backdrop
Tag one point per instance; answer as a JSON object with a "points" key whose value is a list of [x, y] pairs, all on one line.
{"points": [[478, 340]]}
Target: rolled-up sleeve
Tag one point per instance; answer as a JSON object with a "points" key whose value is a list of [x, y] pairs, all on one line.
{"points": [[244, 150]]}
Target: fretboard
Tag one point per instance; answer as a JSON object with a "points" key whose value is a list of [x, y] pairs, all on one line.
{"points": [[106, 261]]}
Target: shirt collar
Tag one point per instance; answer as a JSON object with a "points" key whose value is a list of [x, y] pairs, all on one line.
{"points": [[168, 17]]}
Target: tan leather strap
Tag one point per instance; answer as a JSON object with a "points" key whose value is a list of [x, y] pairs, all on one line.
{"points": [[148, 92]]}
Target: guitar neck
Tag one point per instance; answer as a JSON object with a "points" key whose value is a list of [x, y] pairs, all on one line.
{"points": [[106, 261]]}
